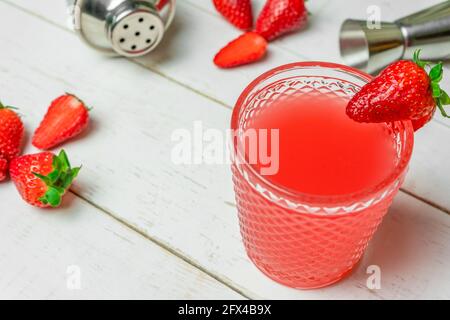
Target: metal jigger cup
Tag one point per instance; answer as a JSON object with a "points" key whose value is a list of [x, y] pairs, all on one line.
{"points": [[371, 47]]}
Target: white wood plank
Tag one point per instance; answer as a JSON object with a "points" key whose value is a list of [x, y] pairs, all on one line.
{"points": [[40, 249], [127, 167], [190, 63]]}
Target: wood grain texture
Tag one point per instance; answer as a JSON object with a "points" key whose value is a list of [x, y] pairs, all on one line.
{"points": [[126, 154], [40, 248]]}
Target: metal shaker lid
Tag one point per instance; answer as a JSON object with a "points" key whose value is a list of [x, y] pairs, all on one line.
{"points": [[130, 28]]}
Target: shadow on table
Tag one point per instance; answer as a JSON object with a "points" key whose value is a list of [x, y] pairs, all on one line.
{"points": [[405, 248]]}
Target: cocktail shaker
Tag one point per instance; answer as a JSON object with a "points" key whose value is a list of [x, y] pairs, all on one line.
{"points": [[372, 48], [129, 28]]}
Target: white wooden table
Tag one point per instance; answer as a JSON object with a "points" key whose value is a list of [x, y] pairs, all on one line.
{"points": [[138, 226]]}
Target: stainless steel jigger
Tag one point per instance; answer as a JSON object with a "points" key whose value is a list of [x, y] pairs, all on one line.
{"points": [[370, 49], [129, 28]]}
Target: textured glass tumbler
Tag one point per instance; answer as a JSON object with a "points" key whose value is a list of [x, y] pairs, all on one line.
{"points": [[302, 240]]}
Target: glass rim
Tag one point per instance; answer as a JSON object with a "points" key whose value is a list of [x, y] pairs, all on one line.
{"points": [[315, 199]]}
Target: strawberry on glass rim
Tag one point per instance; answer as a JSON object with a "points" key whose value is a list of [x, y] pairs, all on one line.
{"points": [[42, 179], [402, 91]]}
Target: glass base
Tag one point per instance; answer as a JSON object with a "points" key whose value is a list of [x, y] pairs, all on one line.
{"points": [[305, 287]]}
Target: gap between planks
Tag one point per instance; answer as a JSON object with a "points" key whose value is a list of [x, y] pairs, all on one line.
{"points": [[226, 282]]}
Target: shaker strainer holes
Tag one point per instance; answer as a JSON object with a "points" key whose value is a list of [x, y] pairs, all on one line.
{"points": [[152, 27], [133, 47], [125, 26], [148, 40], [141, 20], [122, 40], [137, 34]]}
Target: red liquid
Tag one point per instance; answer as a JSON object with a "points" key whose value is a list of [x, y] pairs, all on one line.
{"points": [[322, 151]]}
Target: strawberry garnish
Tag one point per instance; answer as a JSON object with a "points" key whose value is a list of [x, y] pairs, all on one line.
{"points": [[66, 117], [281, 16], [11, 135], [247, 48], [419, 123], [402, 91], [42, 179], [237, 12]]}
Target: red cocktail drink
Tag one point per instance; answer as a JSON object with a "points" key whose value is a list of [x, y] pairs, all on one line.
{"points": [[308, 223]]}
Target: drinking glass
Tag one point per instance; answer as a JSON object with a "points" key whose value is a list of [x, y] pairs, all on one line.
{"points": [[305, 240]]}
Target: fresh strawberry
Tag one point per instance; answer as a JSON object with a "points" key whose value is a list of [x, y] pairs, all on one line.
{"points": [[161, 4], [237, 12], [3, 168], [281, 16], [42, 179], [419, 123], [403, 91], [66, 117], [247, 48], [11, 135]]}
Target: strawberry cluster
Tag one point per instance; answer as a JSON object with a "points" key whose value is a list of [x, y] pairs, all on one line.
{"points": [[42, 179], [277, 18]]}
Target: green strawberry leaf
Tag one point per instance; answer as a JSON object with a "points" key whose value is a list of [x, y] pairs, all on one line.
{"points": [[436, 89], [445, 99], [59, 180], [436, 74], [64, 160], [46, 179], [441, 100], [416, 58], [71, 175], [52, 197], [2, 106], [56, 164]]}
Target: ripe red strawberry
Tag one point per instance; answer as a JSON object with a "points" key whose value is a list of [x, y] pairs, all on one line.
{"points": [[281, 16], [161, 4], [402, 91], [42, 179], [3, 168], [11, 135], [247, 48], [66, 117], [419, 123], [238, 12]]}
